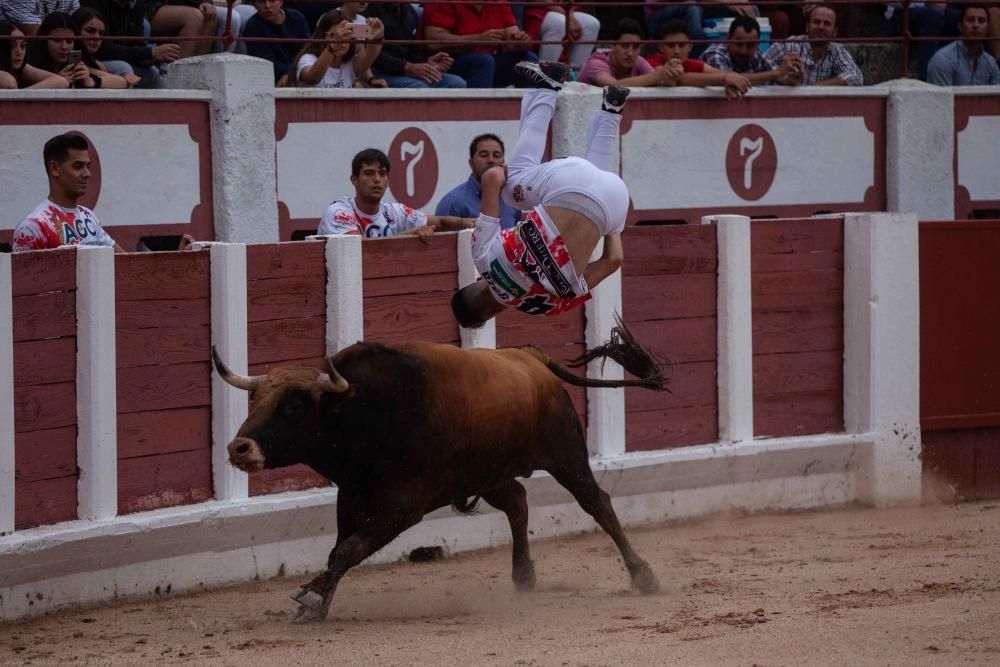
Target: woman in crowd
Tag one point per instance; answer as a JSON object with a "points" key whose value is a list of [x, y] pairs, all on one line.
{"points": [[53, 55], [15, 72], [90, 29], [335, 59]]}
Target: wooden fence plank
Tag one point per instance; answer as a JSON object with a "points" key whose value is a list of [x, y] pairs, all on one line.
{"points": [[794, 372], [408, 256], [393, 319], [45, 361], [38, 316], [669, 250], [164, 431], [798, 414], [690, 384], [667, 429], [280, 298], [798, 290], [796, 262], [292, 478], [163, 387], [44, 502], [45, 454], [515, 329], [163, 346], [286, 260], [41, 407], [798, 331], [41, 272], [796, 236], [161, 275], [277, 340], [429, 282], [678, 341], [164, 480], [669, 296], [155, 312]]}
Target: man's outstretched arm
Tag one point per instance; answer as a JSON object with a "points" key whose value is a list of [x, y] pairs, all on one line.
{"points": [[610, 261]]}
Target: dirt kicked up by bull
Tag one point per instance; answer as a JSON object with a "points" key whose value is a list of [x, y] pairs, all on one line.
{"points": [[405, 429]]}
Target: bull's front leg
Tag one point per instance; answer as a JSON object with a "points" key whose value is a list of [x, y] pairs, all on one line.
{"points": [[316, 596]]}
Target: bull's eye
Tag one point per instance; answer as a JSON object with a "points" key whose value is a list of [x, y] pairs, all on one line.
{"points": [[294, 407]]}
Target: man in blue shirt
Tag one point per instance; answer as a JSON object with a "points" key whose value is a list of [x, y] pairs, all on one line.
{"points": [[965, 62], [485, 151]]}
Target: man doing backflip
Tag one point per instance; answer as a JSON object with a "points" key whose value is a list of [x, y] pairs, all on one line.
{"points": [[542, 266]]}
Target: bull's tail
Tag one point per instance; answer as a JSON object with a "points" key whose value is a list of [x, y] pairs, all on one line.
{"points": [[621, 347]]}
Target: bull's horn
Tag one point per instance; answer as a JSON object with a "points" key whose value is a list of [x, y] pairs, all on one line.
{"points": [[333, 382], [246, 382]]}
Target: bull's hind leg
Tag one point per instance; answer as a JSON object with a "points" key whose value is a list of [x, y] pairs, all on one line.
{"points": [[579, 480], [511, 499]]}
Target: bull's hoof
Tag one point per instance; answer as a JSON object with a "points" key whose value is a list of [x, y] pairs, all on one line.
{"points": [[524, 577], [644, 580], [309, 599], [308, 615]]}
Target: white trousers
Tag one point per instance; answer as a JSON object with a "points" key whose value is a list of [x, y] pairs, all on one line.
{"points": [[589, 186], [553, 29]]}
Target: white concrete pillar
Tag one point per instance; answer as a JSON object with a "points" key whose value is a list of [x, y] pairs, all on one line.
{"points": [[6, 396], [920, 149], [244, 191], [882, 351], [574, 107], [735, 328], [605, 406], [345, 317], [96, 384], [485, 336], [229, 336]]}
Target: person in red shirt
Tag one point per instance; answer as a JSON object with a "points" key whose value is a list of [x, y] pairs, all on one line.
{"points": [[483, 38], [675, 47]]}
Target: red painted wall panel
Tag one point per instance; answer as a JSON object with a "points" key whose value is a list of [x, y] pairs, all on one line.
{"points": [[669, 302], [44, 323], [797, 294]]}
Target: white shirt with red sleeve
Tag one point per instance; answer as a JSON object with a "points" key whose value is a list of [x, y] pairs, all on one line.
{"points": [[343, 217], [52, 226]]}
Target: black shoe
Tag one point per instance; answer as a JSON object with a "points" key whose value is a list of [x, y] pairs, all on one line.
{"points": [[462, 312], [614, 98], [546, 74]]}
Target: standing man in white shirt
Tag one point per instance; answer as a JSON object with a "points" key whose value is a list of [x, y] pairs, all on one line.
{"points": [[366, 214], [59, 220]]}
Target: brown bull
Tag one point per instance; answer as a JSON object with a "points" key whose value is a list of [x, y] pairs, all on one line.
{"points": [[406, 429]]}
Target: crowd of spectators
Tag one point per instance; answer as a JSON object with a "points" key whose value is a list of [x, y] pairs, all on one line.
{"points": [[456, 45]]}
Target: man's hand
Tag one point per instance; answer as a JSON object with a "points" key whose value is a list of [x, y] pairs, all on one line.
{"points": [[166, 53], [424, 233], [575, 29], [427, 72], [491, 35], [671, 72], [515, 34], [377, 28], [132, 80], [207, 10], [186, 242], [442, 61], [494, 178], [736, 85], [741, 8]]}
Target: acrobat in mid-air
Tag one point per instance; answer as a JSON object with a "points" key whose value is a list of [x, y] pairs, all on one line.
{"points": [[543, 265]]}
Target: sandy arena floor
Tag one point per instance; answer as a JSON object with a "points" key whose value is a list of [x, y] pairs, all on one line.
{"points": [[859, 586]]}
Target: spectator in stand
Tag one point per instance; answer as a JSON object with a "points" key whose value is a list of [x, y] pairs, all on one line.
{"points": [[59, 220], [926, 20], [825, 63], [366, 214], [404, 65], [335, 59], [352, 11], [27, 15], [124, 18], [694, 13], [741, 53], [546, 22], [57, 55], [185, 18], [675, 49], [90, 29], [621, 65], [454, 28], [15, 72], [274, 20], [965, 61], [485, 151]]}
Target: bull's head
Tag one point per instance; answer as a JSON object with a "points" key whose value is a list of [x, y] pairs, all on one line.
{"points": [[285, 410]]}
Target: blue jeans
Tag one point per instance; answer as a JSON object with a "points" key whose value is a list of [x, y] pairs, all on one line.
{"points": [[447, 80], [484, 70], [924, 22]]}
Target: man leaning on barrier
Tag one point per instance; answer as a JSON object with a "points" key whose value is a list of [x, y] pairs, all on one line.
{"points": [[824, 63], [741, 53]]}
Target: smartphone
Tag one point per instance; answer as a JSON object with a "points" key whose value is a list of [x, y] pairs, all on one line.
{"points": [[361, 31], [74, 57]]}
